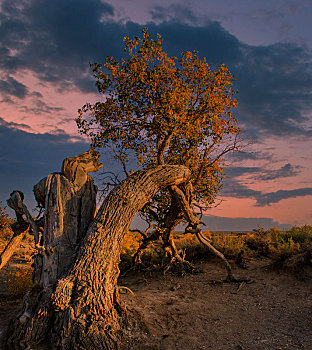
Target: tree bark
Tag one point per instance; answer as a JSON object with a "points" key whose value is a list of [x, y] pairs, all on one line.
{"points": [[68, 211], [81, 310]]}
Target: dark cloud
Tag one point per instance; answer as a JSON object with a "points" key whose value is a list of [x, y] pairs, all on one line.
{"points": [[13, 125], [57, 39], [275, 84], [259, 173], [26, 158], [211, 40], [233, 172], [86, 84], [275, 197], [40, 107], [12, 87], [36, 94], [218, 223], [233, 188], [287, 170]]}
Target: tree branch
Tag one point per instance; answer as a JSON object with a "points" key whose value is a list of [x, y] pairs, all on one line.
{"points": [[162, 149], [16, 203], [195, 224]]}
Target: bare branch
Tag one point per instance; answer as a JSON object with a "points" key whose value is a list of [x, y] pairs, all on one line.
{"points": [[143, 233], [120, 158], [16, 203]]}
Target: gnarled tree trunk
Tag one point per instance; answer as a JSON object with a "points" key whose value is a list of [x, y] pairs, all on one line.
{"points": [[81, 309]]}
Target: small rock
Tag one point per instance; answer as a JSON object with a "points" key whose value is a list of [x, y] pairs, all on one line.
{"points": [[173, 288]]}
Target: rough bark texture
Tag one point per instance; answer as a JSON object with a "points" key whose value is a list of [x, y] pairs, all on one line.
{"points": [[81, 310], [69, 202]]}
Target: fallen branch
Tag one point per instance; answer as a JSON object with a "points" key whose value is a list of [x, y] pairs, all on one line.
{"points": [[19, 231]]}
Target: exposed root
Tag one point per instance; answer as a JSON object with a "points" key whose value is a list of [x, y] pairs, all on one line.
{"points": [[181, 268], [213, 250], [144, 244], [121, 288], [238, 279]]}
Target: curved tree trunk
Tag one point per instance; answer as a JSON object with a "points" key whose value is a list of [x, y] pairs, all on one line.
{"points": [[173, 217], [81, 310]]}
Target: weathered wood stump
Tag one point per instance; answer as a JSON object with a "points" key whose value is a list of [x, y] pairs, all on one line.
{"points": [[80, 309]]}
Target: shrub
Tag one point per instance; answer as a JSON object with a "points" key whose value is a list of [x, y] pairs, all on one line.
{"points": [[18, 281], [229, 243], [272, 243], [275, 242], [5, 221]]}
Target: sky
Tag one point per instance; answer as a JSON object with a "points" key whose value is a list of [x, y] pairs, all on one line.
{"points": [[46, 47]]}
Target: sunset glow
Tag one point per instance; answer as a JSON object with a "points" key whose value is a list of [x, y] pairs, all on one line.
{"points": [[45, 79]]}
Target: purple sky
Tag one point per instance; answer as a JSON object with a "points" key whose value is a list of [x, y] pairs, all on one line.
{"points": [[45, 48]]}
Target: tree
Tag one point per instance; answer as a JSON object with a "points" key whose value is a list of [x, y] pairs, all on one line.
{"points": [[163, 110], [79, 308], [74, 300]]}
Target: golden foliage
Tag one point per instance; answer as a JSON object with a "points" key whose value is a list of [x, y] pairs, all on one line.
{"points": [[164, 110]]}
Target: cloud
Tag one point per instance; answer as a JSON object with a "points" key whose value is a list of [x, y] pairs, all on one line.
{"points": [[26, 158], [174, 12], [13, 125], [10, 86], [233, 188], [40, 107], [56, 40], [275, 88], [218, 223], [260, 173], [287, 170], [275, 197]]}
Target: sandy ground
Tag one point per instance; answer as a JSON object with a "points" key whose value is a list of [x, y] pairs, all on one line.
{"points": [[200, 312]]}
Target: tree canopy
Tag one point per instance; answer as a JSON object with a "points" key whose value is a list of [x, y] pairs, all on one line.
{"points": [[164, 110]]}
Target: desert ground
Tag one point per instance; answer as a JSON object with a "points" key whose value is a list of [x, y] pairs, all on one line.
{"points": [[201, 311]]}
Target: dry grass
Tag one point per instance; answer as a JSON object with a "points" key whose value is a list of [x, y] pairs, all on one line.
{"points": [[18, 281], [271, 243]]}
